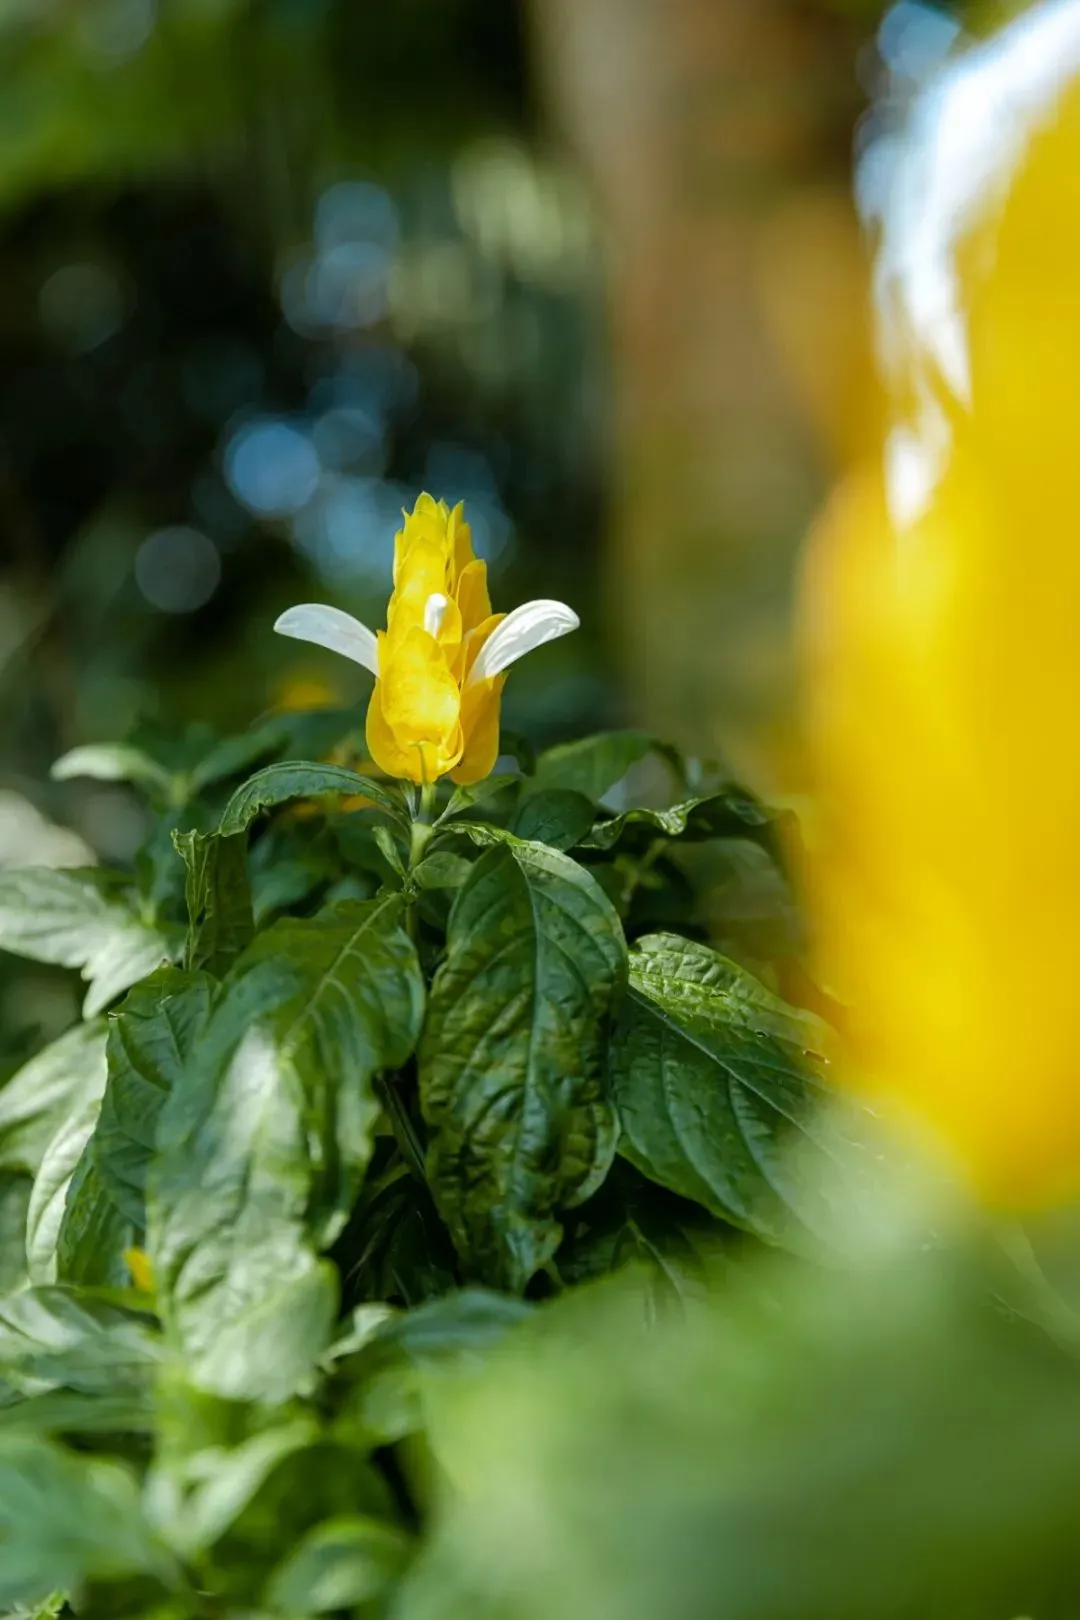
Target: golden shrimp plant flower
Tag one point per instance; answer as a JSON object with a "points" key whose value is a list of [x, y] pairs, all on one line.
{"points": [[440, 665]]}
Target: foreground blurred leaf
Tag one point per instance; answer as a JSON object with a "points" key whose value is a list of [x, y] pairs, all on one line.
{"points": [[879, 1446], [511, 1062], [712, 1077], [79, 919], [50, 1338]]}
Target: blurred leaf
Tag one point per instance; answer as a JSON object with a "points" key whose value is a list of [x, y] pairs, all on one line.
{"points": [[220, 919], [440, 1339], [713, 1077], [557, 817], [338, 1565], [52, 1338], [14, 1201], [59, 1081], [193, 1504], [79, 919], [511, 1061], [592, 765], [277, 784], [65, 1519], [151, 1036], [113, 762], [880, 1445]]}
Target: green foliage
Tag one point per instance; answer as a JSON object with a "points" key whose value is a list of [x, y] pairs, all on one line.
{"points": [[369, 1076]]}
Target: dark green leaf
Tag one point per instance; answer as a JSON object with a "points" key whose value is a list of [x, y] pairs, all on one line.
{"points": [[45, 1091], [94, 1232], [557, 817], [151, 1036], [220, 919], [592, 765], [263, 1144], [730, 814], [80, 919], [715, 1080], [299, 779], [511, 1062], [338, 1565]]}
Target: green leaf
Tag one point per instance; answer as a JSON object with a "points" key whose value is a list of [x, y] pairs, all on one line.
{"points": [[467, 798], [557, 817], [14, 1200], [403, 1357], [53, 1338], [66, 1519], [299, 779], [730, 814], [592, 765], [113, 762], [51, 1184], [220, 919], [194, 1500], [79, 919], [716, 1081], [54, 1084], [94, 1232], [511, 1061], [442, 870], [263, 1143], [339, 1564], [151, 1036]]}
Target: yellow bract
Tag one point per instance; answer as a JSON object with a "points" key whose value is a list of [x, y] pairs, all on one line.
{"points": [[424, 720], [946, 683]]}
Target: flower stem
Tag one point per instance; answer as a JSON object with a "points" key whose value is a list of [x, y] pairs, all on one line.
{"points": [[421, 827]]}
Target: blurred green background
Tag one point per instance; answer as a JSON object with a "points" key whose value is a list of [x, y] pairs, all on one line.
{"points": [[268, 268]]}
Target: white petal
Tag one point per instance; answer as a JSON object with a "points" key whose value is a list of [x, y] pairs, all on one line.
{"points": [[528, 627], [331, 628], [435, 612]]}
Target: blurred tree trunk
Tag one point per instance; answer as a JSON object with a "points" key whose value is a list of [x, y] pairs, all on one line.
{"points": [[717, 137]]}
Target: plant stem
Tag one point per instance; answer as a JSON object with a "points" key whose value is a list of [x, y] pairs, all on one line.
{"points": [[421, 827]]}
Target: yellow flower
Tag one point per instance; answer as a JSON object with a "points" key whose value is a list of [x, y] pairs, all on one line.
{"points": [[138, 1263], [440, 665], [944, 598]]}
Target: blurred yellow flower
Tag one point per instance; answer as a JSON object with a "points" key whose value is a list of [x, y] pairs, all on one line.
{"points": [[440, 665], [138, 1264], [943, 604]]}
